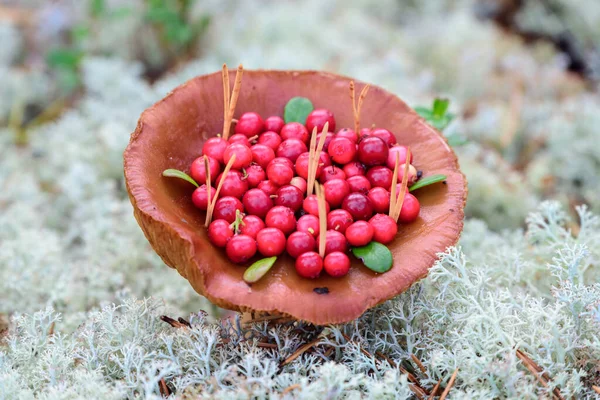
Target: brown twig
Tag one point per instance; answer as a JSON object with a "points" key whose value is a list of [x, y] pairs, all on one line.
{"points": [[419, 364], [183, 321], [537, 371], [174, 323], [290, 388], [299, 352], [435, 389], [450, 382], [164, 389], [386, 358]]}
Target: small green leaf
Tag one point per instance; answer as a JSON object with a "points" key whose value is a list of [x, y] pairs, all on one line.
{"points": [[375, 256], [297, 109], [429, 180], [258, 269], [174, 173], [440, 106]]}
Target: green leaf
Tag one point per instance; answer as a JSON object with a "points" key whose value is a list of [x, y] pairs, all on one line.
{"points": [[297, 109], [440, 106], [175, 173], [429, 180], [258, 269], [375, 256]]}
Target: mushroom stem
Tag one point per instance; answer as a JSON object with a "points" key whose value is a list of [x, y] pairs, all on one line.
{"points": [[322, 219], [230, 101], [211, 205], [403, 188]]}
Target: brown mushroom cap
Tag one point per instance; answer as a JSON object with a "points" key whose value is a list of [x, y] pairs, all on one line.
{"points": [[171, 133]]}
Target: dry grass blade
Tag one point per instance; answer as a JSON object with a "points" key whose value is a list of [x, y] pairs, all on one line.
{"points": [[393, 198], [225, 76], [164, 389], [417, 391], [452, 378], [536, 370], [361, 99], [596, 389], [353, 99], [208, 178], [398, 204], [299, 352], [310, 182], [386, 358], [237, 86], [435, 389], [211, 205], [266, 345], [290, 388], [322, 219], [419, 364]]}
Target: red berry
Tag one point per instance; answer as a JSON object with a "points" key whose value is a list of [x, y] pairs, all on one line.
{"points": [[254, 175], [359, 233], [300, 183], [410, 209], [309, 265], [200, 197], [240, 248], [336, 264], [262, 155], [412, 174], [215, 147], [391, 159], [271, 139], [311, 205], [243, 155], [335, 191], [372, 151], [234, 184], [282, 160], [380, 199], [384, 228], [251, 225], [219, 232], [291, 149], [364, 132], [359, 183], [310, 224], [348, 134], [341, 150], [301, 166], [354, 168], [324, 159], [198, 172], [339, 220], [331, 172], [317, 118], [250, 124], [385, 135], [274, 123], [268, 187], [271, 242], [282, 218], [299, 243], [335, 241], [358, 205], [294, 130], [239, 138], [256, 202], [226, 207], [328, 137], [289, 196], [380, 177], [280, 173]]}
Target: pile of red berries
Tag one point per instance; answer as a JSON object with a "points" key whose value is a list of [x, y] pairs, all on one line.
{"points": [[263, 207]]}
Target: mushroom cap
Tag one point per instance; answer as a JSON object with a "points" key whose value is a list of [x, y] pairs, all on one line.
{"points": [[170, 134]]}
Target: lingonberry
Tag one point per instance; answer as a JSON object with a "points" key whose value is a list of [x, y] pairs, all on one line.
{"points": [[335, 241], [311, 205], [251, 225], [268, 187], [359, 233], [328, 137], [336, 264], [358, 205], [348, 134], [300, 183], [309, 265], [243, 155], [250, 124], [198, 172], [200, 197], [239, 138], [380, 177], [271, 242], [317, 118], [299, 243], [294, 130], [359, 183], [234, 184], [410, 209], [402, 152], [271, 139], [335, 191], [215, 147], [240, 248], [291, 149], [380, 199], [310, 224], [282, 160], [282, 218], [324, 159], [256, 202], [280, 173], [225, 208], [385, 135], [364, 132], [301, 166], [412, 174], [262, 154], [341, 150], [274, 124], [354, 168], [289, 196], [331, 172], [372, 151], [339, 220], [219, 232], [384, 228], [254, 175]]}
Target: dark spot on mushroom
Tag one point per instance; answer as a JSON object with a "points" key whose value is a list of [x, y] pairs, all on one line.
{"points": [[445, 182], [452, 210], [321, 290], [419, 174]]}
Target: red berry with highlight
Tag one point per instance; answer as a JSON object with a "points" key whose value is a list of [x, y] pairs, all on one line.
{"points": [[299, 243], [219, 232], [271, 139], [251, 225], [254, 175], [310, 224], [200, 197], [359, 233], [384, 228], [215, 147], [294, 130], [226, 207], [301, 166], [234, 184], [243, 155], [198, 172], [328, 137], [274, 124], [311, 205], [289, 196], [372, 151], [268, 187], [282, 218], [280, 173], [239, 138], [335, 241], [271, 242], [331, 172], [317, 118], [335, 191], [309, 265], [380, 199], [262, 155], [359, 184], [358, 205], [336, 264], [339, 220], [380, 177], [250, 124], [256, 202], [385, 135], [291, 149], [240, 248], [354, 168], [402, 151], [341, 150], [348, 134], [300, 183], [410, 209]]}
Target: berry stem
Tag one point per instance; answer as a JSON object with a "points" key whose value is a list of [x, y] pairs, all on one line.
{"points": [[322, 219], [211, 206]]}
